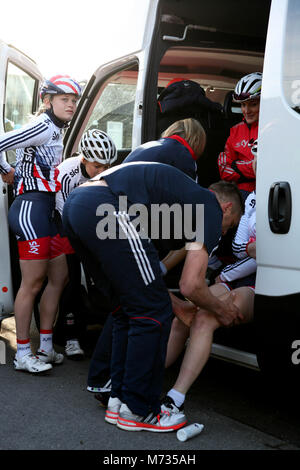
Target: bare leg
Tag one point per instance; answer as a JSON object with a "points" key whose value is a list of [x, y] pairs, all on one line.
{"points": [[183, 309], [57, 279], [177, 339], [33, 274], [201, 335]]}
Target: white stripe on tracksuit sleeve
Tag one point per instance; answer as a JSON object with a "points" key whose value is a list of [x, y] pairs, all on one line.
{"points": [[31, 134], [246, 229]]}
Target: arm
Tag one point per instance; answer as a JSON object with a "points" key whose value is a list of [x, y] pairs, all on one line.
{"points": [[246, 231], [241, 268], [173, 258], [5, 167], [193, 286], [245, 169], [8, 177], [225, 162], [32, 134], [251, 249]]}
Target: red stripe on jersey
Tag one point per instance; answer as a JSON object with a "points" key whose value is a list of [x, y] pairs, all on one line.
{"points": [[57, 183], [21, 190], [43, 180]]}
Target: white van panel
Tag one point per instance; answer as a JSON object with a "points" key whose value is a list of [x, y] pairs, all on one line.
{"points": [[278, 255], [6, 288], [270, 281], [16, 57]]}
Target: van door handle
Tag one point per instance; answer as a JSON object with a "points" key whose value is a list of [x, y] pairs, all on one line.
{"points": [[280, 207]]}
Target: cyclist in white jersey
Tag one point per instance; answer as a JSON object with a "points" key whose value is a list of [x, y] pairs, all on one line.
{"points": [[201, 327], [97, 153], [35, 177]]}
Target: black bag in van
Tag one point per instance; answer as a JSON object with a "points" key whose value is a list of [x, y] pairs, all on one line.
{"points": [[183, 99], [183, 95]]}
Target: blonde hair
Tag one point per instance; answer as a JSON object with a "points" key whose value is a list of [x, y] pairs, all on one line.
{"points": [[42, 109], [191, 130]]}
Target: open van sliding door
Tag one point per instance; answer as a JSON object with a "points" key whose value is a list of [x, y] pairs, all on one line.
{"points": [[19, 85], [113, 98], [109, 103], [277, 303]]}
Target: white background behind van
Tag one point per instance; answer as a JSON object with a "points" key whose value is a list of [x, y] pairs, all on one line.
{"points": [[74, 38]]}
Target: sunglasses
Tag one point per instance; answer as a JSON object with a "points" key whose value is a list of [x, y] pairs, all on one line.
{"points": [[241, 96]]}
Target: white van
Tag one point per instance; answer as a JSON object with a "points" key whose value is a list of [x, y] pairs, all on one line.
{"points": [[214, 44], [19, 97]]}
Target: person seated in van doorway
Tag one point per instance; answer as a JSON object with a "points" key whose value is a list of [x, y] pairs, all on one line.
{"points": [[130, 262], [239, 278], [235, 163], [181, 145]]}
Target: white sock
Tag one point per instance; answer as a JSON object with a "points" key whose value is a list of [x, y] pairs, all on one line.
{"points": [[46, 340], [23, 347], [177, 397]]}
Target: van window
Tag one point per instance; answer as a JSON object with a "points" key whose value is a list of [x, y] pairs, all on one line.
{"points": [[19, 98], [113, 112], [291, 66]]}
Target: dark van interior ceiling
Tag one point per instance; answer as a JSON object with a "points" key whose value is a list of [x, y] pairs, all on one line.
{"points": [[243, 21]]}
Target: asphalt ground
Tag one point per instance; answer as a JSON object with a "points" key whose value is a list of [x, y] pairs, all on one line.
{"points": [[55, 412]]}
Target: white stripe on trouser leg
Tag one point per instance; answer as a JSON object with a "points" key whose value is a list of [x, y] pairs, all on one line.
{"points": [[137, 240], [29, 222], [133, 251], [24, 220], [137, 249], [137, 237]]}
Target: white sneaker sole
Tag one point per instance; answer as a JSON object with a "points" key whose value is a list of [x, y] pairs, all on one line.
{"points": [[24, 369], [111, 417], [128, 425]]}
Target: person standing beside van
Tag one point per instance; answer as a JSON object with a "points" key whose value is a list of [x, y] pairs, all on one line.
{"points": [[181, 145], [97, 153], [38, 153], [235, 163]]}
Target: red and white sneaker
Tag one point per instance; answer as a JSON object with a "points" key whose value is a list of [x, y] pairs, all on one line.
{"points": [[166, 421], [112, 411]]}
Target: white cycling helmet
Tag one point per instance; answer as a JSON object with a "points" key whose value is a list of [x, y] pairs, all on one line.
{"points": [[97, 146], [248, 88]]}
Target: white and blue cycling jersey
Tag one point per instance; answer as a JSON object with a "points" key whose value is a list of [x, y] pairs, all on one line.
{"points": [[246, 231], [38, 153], [70, 176]]}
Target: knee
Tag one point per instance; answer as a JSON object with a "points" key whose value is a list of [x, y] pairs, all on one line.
{"points": [[204, 322], [178, 326], [33, 286]]}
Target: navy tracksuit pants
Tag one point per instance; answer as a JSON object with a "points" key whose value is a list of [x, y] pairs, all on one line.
{"points": [[142, 325]]}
